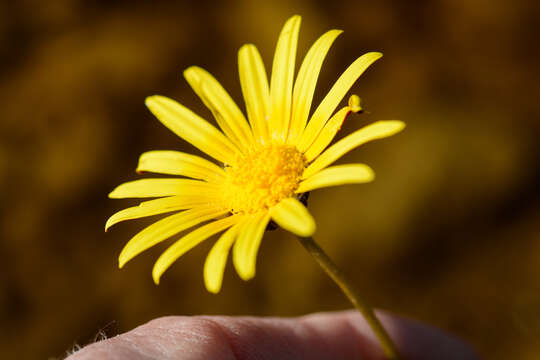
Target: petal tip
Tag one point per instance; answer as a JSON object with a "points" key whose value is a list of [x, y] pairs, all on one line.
{"points": [[191, 68], [246, 47], [398, 125], [149, 100], [242, 268], [370, 174], [122, 261], [190, 74], [113, 220], [212, 283], [153, 101], [390, 127], [113, 194], [295, 17], [212, 287], [246, 275], [156, 275], [109, 223]]}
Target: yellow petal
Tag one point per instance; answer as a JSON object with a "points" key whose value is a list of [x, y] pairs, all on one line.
{"points": [[281, 82], [216, 260], [192, 128], [246, 247], [179, 163], [159, 187], [228, 116], [337, 175], [292, 215], [165, 228], [304, 87], [255, 90], [331, 128], [188, 242], [157, 206], [377, 130], [334, 97]]}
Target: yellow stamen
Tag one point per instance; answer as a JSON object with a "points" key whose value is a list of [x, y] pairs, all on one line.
{"points": [[355, 103], [262, 178]]}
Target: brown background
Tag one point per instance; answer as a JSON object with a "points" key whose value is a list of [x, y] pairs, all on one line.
{"points": [[448, 233]]}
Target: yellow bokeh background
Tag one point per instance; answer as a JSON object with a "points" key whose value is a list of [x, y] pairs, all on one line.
{"points": [[448, 233]]}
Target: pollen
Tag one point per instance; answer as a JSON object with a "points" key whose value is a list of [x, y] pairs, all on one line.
{"points": [[263, 177]]}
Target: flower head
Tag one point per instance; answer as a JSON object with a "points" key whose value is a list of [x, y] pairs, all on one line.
{"points": [[267, 161]]}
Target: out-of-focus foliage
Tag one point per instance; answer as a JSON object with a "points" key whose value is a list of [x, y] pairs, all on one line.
{"points": [[448, 232]]}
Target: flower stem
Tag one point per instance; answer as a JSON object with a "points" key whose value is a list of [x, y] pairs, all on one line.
{"points": [[353, 294]]}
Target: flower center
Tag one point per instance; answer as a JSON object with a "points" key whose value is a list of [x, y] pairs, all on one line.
{"points": [[262, 178]]}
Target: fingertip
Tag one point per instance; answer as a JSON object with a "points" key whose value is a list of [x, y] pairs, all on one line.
{"points": [[426, 342], [322, 336]]}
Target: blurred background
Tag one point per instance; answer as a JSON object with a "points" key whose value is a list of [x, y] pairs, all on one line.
{"points": [[447, 234]]}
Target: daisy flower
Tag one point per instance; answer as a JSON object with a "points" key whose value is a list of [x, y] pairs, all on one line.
{"points": [[263, 164]]}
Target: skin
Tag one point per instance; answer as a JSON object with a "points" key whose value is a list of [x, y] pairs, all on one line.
{"points": [[321, 336]]}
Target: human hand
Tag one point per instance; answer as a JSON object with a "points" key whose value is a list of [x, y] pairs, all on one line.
{"points": [[321, 336]]}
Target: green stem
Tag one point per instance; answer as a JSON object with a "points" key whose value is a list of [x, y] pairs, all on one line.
{"points": [[354, 296]]}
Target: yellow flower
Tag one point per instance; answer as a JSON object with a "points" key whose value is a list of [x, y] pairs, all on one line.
{"points": [[269, 160]]}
